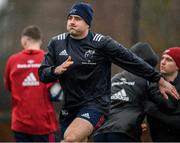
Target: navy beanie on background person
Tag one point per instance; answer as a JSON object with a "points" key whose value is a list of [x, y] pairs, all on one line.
{"points": [[83, 10]]}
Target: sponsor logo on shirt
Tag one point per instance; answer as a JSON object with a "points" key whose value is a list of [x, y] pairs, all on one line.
{"points": [[123, 81], [64, 112], [30, 80], [63, 53], [86, 115], [120, 95], [29, 64]]}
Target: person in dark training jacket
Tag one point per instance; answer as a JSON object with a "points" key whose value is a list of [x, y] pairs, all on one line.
{"points": [[81, 60], [128, 92]]}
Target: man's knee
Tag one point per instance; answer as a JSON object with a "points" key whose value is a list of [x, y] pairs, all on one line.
{"points": [[76, 135], [70, 138]]}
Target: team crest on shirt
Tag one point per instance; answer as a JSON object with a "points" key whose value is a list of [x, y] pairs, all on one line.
{"points": [[89, 56]]}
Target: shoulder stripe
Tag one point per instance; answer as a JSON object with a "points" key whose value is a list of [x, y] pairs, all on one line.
{"points": [[58, 37], [64, 35], [61, 36], [97, 37]]}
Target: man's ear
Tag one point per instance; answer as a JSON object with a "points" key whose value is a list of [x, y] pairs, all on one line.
{"points": [[24, 41], [177, 68]]}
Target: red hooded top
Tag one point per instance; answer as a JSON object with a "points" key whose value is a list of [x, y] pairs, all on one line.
{"points": [[32, 110]]}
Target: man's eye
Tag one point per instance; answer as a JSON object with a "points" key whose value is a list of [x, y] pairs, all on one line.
{"points": [[78, 18], [69, 18]]}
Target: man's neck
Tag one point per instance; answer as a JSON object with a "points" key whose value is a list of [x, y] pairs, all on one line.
{"points": [[171, 77]]}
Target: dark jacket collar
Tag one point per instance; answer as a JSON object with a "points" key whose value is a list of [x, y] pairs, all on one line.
{"points": [[176, 82]]}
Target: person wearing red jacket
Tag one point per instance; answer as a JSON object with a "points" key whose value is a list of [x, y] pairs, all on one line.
{"points": [[33, 114]]}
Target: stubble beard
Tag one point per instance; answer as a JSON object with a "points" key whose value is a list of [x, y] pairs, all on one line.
{"points": [[74, 33]]}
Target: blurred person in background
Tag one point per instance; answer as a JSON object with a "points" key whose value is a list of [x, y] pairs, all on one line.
{"points": [[164, 114], [81, 60], [128, 92], [33, 114]]}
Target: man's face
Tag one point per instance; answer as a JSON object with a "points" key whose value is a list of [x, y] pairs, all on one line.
{"points": [[76, 26], [168, 65]]}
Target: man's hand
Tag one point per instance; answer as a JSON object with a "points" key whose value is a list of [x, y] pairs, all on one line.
{"points": [[64, 66], [144, 127], [167, 89]]}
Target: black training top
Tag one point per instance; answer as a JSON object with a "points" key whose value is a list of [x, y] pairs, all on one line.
{"points": [[88, 81], [128, 92]]}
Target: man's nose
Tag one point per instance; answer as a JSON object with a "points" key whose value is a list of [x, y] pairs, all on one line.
{"points": [[72, 20], [163, 61]]}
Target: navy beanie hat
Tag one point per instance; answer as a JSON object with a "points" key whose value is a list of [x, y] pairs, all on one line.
{"points": [[83, 10]]}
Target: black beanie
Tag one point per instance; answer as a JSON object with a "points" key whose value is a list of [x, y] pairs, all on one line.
{"points": [[83, 10]]}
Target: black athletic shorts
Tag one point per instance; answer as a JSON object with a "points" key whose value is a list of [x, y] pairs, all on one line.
{"points": [[92, 115]]}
